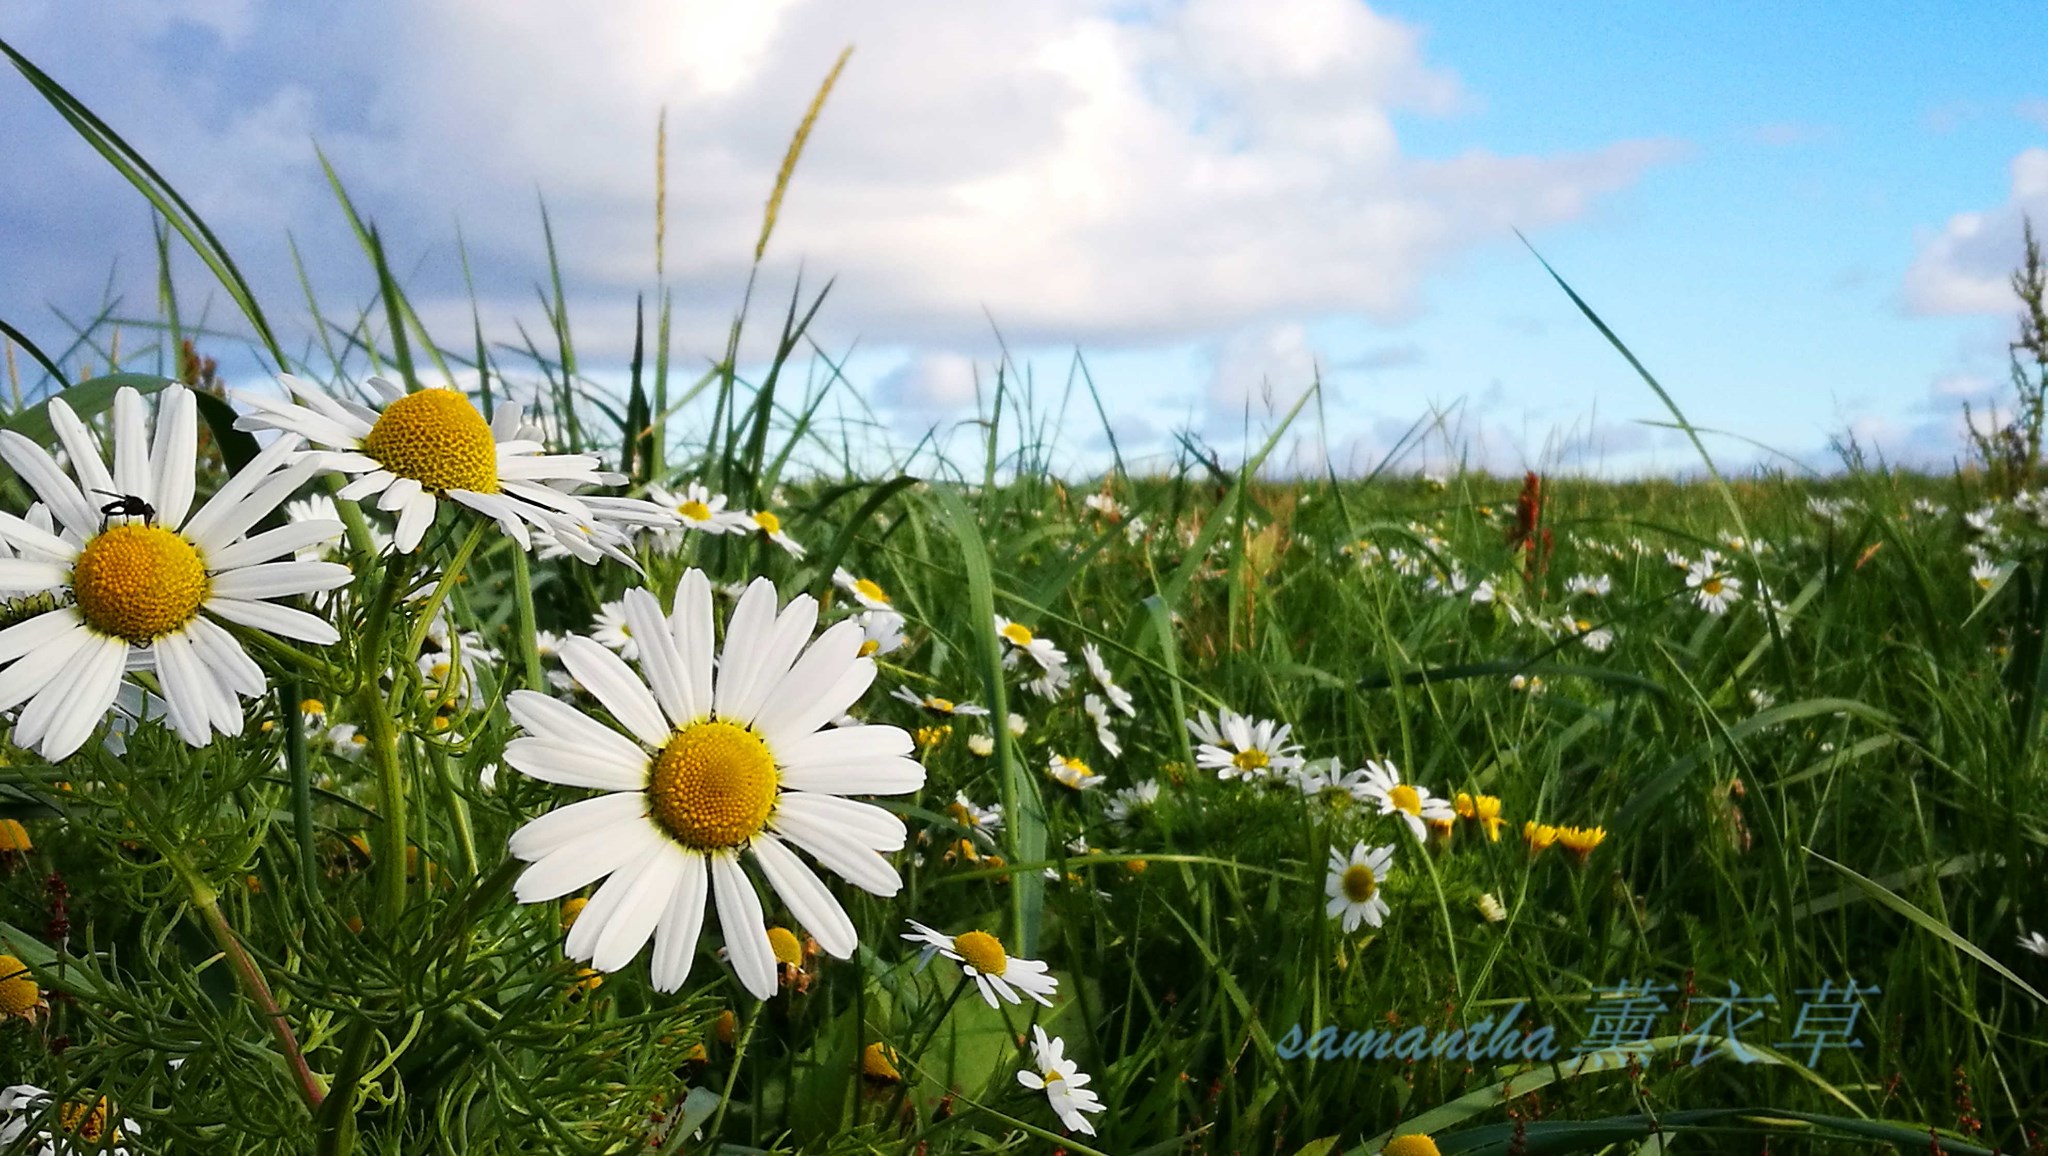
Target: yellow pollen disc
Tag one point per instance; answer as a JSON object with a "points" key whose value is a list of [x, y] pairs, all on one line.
{"points": [[436, 438], [313, 706], [866, 588], [783, 942], [86, 1123], [14, 839], [1359, 883], [769, 523], [695, 511], [1413, 1144], [1253, 760], [869, 647], [1051, 1076], [18, 991], [138, 582], [571, 908], [876, 1063], [1711, 586], [982, 952], [1018, 635], [712, 786], [1404, 798], [942, 705]]}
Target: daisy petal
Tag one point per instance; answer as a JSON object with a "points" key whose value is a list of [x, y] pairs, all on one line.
{"points": [[627, 931], [746, 931], [869, 825], [559, 722], [675, 937], [576, 766], [275, 619], [585, 859], [614, 684], [840, 852], [807, 898], [563, 825]]}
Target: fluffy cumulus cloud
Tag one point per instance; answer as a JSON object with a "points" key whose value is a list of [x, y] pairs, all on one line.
{"points": [[1079, 170], [1967, 266]]}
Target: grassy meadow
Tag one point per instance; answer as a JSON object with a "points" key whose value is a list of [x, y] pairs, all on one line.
{"points": [[1720, 803]]}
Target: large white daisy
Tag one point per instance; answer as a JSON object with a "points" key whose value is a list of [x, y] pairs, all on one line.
{"points": [[697, 768], [1064, 1084], [422, 447], [139, 578]]}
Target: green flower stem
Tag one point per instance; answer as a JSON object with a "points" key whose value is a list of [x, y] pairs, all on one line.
{"points": [[732, 1075], [383, 744], [522, 593], [458, 811], [253, 985], [432, 608], [288, 699]]}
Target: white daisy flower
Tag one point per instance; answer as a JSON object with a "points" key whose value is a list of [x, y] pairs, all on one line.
{"points": [[1588, 585], [1104, 733], [696, 508], [866, 591], [1134, 531], [1065, 1087], [2035, 942], [144, 578], [1414, 804], [996, 974], [346, 741], [1072, 773], [707, 766], [79, 1128], [769, 525], [881, 632], [1052, 661], [982, 821], [419, 448], [1125, 803], [1018, 724], [981, 746], [1713, 591], [1238, 746], [1595, 639], [1118, 696], [1530, 684], [1484, 592], [1107, 507], [1984, 572], [937, 705], [610, 629], [1353, 885], [1326, 779]]}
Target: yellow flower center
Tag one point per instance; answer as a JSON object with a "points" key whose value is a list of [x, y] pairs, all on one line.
{"points": [[571, 908], [1712, 586], [694, 511], [866, 588], [14, 838], [436, 438], [1052, 1075], [983, 952], [769, 523], [942, 705], [1405, 798], [869, 647], [1253, 760], [1018, 634], [876, 1063], [712, 786], [783, 942], [138, 582], [86, 1123], [1413, 1144], [18, 990], [313, 706], [1359, 883]]}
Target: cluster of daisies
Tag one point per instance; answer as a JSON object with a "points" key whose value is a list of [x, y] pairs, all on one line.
{"points": [[128, 596]]}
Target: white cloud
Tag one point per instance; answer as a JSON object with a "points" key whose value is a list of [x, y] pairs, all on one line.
{"points": [[1967, 267], [1081, 170], [1261, 372], [931, 384]]}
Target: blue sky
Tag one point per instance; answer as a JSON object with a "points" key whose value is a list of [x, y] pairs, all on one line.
{"points": [[1800, 216]]}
